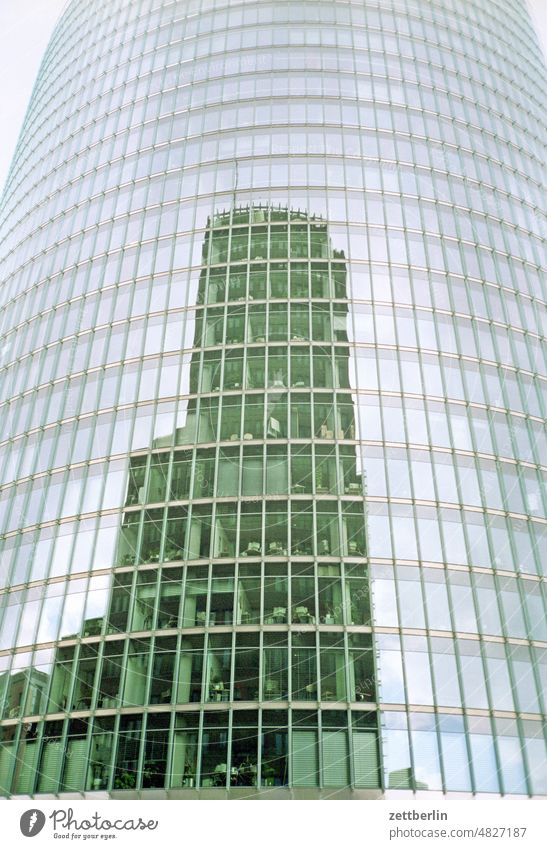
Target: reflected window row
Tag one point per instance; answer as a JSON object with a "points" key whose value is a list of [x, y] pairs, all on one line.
{"points": [[300, 665], [466, 298], [491, 541], [443, 376], [220, 749], [246, 529], [284, 368], [375, 145], [419, 246], [304, 468], [246, 470], [404, 596], [394, 530], [419, 751], [186, 125], [323, 365], [278, 367], [276, 322], [258, 324], [381, 418], [248, 594], [217, 667], [175, 38], [409, 286], [320, 594], [450, 425], [285, 237], [253, 323], [217, 175]]}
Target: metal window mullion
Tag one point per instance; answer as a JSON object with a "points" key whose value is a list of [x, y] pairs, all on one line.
{"points": [[194, 454], [343, 535], [411, 747], [262, 601], [142, 746], [170, 749], [289, 737], [229, 737], [176, 670], [321, 776], [289, 655], [224, 312], [161, 551], [204, 670], [318, 679], [140, 535], [170, 458], [259, 780], [448, 586], [212, 535], [379, 738], [199, 751], [339, 466], [499, 761], [149, 667], [263, 513], [289, 514], [437, 711], [315, 532], [526, 765], [233, 656], [347, 659], [345, 596], [351, 750], [63, 748], [70, 704], [95, 695], [209, 587], [131, 591]]}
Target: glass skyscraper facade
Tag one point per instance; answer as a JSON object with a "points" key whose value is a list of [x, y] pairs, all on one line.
{"points": [[272, 395]]}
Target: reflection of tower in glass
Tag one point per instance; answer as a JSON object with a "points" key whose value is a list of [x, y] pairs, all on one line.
{"points": [[123, 352], [241, 574], [270, 365]]}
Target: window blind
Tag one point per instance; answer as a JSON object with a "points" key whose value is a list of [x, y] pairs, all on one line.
{"points": [[335, 759], [27, 769], [49, 767], [76, 764], [305, 761], [365, 759]]}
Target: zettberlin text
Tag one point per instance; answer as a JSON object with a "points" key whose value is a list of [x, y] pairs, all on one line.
{"points": [[418, 815]]}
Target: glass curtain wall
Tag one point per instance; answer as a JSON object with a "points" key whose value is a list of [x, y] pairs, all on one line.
{"points": [[271, 431]]}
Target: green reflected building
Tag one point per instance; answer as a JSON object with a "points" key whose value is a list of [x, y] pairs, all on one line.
{"points": [[272, 403]]}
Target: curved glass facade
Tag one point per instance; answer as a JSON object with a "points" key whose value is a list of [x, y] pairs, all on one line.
{"points": [[272, 397]]}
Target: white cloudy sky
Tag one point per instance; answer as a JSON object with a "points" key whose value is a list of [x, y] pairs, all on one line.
{"points": [[25, 28]]}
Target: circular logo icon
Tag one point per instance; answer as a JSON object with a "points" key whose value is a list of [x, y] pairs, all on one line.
{"points": [[32, 822]]}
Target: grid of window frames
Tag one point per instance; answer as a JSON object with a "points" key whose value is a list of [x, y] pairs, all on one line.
{"points": [[150, 388]]}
